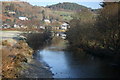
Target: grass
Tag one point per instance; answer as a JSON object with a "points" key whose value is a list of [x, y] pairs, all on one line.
{"points": [[63, 12], [66, 15]]}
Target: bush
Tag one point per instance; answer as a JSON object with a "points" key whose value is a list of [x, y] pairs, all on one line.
{"points": [[37, 40]]}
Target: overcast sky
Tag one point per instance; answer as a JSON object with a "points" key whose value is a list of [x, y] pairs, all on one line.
{"points": [[94, 4]]}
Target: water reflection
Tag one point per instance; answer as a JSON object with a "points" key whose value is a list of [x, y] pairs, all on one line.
{"points": [[66, 65]]}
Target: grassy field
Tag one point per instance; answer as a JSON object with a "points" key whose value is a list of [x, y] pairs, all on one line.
{"points": [[67, 15]]}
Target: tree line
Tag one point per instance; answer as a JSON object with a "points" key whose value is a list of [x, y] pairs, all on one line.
{"points": [[97, 33], [67, 6]]}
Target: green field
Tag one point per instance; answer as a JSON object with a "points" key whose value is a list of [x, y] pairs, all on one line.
{"points": [[67, 15]]}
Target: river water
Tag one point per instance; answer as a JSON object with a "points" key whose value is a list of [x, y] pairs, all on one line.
{"points": [[64, 64]]}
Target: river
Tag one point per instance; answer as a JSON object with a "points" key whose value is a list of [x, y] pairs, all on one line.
{"points": [[64, 64]]}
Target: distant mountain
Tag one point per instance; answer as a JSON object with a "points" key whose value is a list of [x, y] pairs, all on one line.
{"points": [[67, 6]]}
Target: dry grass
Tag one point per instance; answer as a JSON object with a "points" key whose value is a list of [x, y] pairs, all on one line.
{"points": [[12, 58]]}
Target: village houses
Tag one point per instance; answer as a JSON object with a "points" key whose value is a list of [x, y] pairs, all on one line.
{"points": [[23, 18]]}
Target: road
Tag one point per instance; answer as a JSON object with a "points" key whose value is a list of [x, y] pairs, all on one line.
{"points": [[8, 34]]}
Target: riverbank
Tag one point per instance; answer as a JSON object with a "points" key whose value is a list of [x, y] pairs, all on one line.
{"points": [[65, 64], [105, 54], [18, 62]]}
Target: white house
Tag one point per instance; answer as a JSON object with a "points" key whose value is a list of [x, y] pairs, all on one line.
{"points": [[42, 27], [16, 26], [61, 34], [65, 26], [23, 26], [23, 18], [19, 26], [47, 21], [12, 12], [5, 26]]}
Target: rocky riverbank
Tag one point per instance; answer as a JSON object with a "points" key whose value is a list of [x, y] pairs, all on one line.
{"points": [[18, 62]]}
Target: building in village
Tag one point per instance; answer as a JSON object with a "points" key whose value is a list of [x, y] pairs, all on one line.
{"points": [[61, 34], [41, 27], [5, 26], [65, 26], [23, 18], [55, 28], [19, 26], [62, 28], [47, 21], [60, 31], [12, 12]]}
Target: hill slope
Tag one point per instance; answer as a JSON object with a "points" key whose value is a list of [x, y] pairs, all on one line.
{"points": [[27, 10], [58, 12], [67, 6], [32, 12]]}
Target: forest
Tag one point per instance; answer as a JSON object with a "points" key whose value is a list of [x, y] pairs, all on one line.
{"points": [[67, 6], [98, 35]]}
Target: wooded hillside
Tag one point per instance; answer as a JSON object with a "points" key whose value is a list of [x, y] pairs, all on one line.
{"points": [[67, 6]]}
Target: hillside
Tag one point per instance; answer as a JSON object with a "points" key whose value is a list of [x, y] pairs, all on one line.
{"points": [[22, 9], [67, 6], [36, 14], [32, 12]]}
